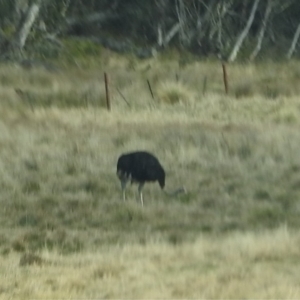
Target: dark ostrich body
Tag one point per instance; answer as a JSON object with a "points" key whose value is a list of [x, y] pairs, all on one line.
{"points": [[139, 167]]}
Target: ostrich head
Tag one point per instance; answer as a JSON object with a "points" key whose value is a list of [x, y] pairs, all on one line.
{"points": [[161, 178]]}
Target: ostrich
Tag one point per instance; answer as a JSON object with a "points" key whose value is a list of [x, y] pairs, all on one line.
{"points": [[140, 167]]}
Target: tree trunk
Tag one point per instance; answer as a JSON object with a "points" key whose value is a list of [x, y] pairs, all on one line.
{"points": [[184, 37], [171, 34], [294, 42], [22, 33], [262, 30], [161, 6], [244, 33], [20, 8], [159, 35]]}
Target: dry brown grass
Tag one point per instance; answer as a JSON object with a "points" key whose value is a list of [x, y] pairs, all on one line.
{"points": [[61, 214], [174, 92], [240, 265]]}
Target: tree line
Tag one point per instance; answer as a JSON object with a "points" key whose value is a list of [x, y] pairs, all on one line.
{"points": [[228, 29]]}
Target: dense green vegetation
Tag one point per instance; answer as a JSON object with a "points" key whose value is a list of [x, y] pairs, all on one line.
{"points": [[206, 28]]}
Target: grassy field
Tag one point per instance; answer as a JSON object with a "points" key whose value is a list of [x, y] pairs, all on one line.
{"points": [[235, 266], [65, 233]]}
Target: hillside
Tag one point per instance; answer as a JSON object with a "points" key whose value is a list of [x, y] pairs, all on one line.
{"points": [[233, 235]]}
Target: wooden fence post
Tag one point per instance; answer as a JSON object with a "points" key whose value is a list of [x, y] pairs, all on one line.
{"points": [[204, 86], [225, 77], [106, 81], [150, 89]]}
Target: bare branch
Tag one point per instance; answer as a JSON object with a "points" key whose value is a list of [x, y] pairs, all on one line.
{"points": [[244, 33], [262, 30], [294, 42], [25, 26]]}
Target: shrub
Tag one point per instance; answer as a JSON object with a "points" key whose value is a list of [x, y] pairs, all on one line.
{"points": [[173, 92], [244, 89]]}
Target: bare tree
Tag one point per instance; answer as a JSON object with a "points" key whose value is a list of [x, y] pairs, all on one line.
{"points": [[205, 27], [218, 21], [20, 8], [24, 28], [182, 14], [262, 30], [294, 42], [171, 33], [161, 6], [244, 33]]}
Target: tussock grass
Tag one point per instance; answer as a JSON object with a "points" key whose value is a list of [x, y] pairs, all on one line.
{"points": [[237, 155], [174, 92], [58, 170], [241, 265]]}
